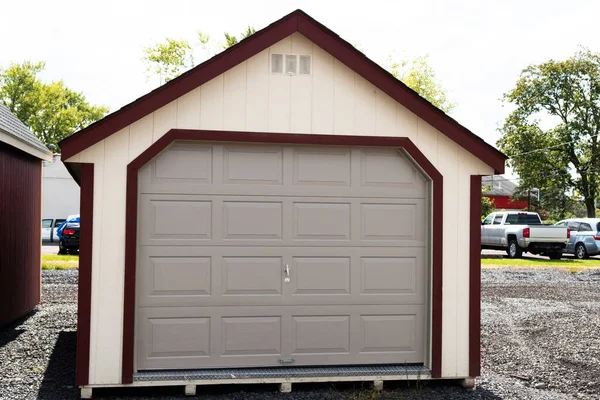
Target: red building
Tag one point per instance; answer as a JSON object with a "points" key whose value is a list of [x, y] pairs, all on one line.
{"points": [[21, 156], [501, 191]]}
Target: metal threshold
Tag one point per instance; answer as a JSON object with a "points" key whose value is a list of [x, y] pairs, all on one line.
{"points": [[282, 372]]}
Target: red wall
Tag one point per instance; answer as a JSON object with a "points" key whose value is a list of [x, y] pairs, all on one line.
{"points": [[20, 232], [505, 202]]}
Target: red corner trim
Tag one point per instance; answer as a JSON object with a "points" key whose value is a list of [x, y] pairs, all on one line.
{"points": [[281, 138], [84, 295], [475, 279], [297, 21]]}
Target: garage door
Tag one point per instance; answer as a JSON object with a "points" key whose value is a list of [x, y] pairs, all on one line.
{"points": [[264, 255]]}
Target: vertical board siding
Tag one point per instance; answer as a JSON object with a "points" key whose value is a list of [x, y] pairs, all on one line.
{"points": [[21, 233], [333, 100]]}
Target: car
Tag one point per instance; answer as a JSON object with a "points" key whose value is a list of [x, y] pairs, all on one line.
{"points": [[518, 232], [50, 227], [585, 236], [69, 238]]}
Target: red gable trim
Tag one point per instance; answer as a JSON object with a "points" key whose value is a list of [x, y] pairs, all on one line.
{"points": [[297, 21]]}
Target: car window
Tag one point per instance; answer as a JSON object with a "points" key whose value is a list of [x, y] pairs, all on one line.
{"points": [[498, 219], [574, 226], [46, 223], [487, 220], [522, 219], [561, 223], [585, 227], [58, 222], [598, 227]]}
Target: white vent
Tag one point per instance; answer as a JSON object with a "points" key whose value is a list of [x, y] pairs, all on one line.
{"points": [[277, 63], [304, 65], [291, 64]]}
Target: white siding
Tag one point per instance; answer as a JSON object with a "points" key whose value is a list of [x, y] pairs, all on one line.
{"points": [[333, 99]]}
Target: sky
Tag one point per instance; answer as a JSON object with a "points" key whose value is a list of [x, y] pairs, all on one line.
{"points": [[477, 47]]}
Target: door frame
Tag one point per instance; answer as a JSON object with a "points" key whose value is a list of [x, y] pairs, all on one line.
{"points": [[402, 143]]}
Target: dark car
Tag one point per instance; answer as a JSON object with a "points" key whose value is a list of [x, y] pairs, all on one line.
{"points": [[69, 239]]}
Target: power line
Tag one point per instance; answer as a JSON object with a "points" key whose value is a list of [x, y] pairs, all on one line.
{"points": [[547, 148]]}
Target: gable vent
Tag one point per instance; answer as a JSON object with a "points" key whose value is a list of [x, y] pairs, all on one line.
{"points": [[304, 65], [291, 64], [277, 63]]}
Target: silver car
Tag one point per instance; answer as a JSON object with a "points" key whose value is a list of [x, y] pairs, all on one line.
{"points": [[585, 236]]}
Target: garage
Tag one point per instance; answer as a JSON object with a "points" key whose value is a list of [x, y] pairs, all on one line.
{"points": [[249, 225], [265, 255]]}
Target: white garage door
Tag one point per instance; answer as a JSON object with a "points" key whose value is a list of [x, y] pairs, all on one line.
{"points": [[264, 255]]}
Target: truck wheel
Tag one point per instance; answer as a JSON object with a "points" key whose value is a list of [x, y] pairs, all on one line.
{"points": [[580, 251], [555, 256], [514, 250]]}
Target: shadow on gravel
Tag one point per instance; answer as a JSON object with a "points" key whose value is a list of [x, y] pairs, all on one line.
{"points": [[306, 391], [59, 377], [12, 331]]}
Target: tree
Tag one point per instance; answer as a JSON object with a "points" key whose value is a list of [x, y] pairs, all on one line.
{"points": [[564, 95], [418, 75], [487, 205], [169, 59], [52, 111], [231, 40]]}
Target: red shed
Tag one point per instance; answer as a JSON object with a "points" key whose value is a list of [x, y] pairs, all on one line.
{"points": [[21, 156]]}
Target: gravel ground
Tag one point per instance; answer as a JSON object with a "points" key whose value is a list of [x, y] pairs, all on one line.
{"points": [[540, 338]]}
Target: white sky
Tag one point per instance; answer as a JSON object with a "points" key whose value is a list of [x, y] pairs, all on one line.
{"points": [[476, 47]]}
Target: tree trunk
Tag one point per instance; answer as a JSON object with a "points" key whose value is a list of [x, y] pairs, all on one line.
{"points": [[590, 205]]}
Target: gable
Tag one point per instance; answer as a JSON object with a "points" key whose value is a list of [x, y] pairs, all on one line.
{"points": [[346, 93]]}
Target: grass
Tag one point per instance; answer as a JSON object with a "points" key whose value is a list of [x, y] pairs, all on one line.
{"points": [[55, 261], [571, 264]]}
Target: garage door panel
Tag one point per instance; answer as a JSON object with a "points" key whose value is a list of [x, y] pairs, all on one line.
{"points": [[322, 167], [320, 276], [188, 220], [251, 276], [252, 220], [221, 227], [246, 336], [252, 165], [256, 277], [308, 334]]}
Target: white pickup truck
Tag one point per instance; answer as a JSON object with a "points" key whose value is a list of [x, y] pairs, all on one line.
{"points": [[518, 232]]}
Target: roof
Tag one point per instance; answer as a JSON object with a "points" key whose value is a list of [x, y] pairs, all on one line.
{"points": [[17, 134], [297, 21], [499, 186]]}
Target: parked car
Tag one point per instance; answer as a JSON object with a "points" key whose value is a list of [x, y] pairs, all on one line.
{"points": [[69, 238], [585, 236], [518, 232], [50, 227]]}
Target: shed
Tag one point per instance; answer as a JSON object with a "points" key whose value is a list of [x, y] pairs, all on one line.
{"points": [[287, 203], [21, 157]]}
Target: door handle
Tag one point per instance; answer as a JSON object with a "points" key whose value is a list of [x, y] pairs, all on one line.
{"points": [[287, 273]]}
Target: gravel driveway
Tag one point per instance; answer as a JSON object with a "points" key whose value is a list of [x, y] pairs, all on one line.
{"points": [[540, 337]]}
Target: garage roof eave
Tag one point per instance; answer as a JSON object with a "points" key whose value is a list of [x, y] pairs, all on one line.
{"points": [[297, 21]]}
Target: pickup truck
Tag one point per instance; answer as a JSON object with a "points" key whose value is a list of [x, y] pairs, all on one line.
{"points": [[518, 232]]}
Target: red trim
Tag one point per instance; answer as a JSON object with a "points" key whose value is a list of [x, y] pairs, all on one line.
{"points": [[84, 296], [282, 138], [297, 21], [475, 279]]}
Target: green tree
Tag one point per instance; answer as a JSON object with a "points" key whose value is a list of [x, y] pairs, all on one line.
{"points": [[231, 40], [564, 95], [418, 75], [168, 60], [487, 205], [52, 111]]}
